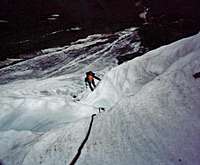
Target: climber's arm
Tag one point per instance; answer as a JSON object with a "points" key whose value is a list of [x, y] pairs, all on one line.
{"points": [[97, 78]]}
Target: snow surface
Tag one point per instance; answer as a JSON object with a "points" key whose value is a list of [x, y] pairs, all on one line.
{"points": [[156, 120], [152, 105]]}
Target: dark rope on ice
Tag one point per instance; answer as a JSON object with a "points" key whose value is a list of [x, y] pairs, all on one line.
{"points": [[1, 163], [83, 143]]}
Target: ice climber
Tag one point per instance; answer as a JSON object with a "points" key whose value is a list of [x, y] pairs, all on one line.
{"points": [[89, 80]]}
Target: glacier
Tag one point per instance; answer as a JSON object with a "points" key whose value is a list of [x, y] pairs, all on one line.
{"points": [[151, 102]]}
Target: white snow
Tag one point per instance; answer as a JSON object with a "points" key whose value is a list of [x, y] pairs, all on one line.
{"points": [[75, 28], [159, 122], [152, 105], [55, 15]]}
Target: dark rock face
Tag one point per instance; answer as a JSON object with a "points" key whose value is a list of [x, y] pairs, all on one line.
{"points": [[96, 12], [167, 21], [30, 22], [127, 57], [78, 11], [174, 9], [157, 34]]}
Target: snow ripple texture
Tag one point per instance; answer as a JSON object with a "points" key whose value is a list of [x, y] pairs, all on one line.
{"points": [[152, 106]]}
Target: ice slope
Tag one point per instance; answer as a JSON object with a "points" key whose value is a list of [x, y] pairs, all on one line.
{"points": [[15, 145], [37, 94], [158, 120], [155, 119], [127, 79], [39, 91], [152, 113]]}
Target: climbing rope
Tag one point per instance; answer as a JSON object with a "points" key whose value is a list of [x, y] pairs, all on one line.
{"points": [[74, 160]]}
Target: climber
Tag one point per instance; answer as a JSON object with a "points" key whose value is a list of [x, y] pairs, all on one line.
{"points": [[89, 80]]}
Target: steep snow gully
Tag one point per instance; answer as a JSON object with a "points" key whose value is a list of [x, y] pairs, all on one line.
{"points": [[152, 105]]}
